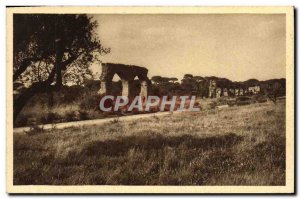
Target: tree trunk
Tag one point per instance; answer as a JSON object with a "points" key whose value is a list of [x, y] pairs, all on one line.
{"points": [[44, 86], [20, 102]]}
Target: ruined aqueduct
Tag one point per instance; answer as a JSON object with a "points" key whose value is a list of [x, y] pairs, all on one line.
{"points": [[127, 73]]}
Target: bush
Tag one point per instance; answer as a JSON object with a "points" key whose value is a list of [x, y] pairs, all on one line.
{"points": [[90, 102], [213, 105], [83, 115], [243, 99], [241, 103], [35, 129], [115, 121], [51, 118], [21, 121], [231, 102], [72, 116], [260, 98], [71, 94], [222, 101]]}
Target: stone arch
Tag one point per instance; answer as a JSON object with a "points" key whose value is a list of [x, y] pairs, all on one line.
{"points": [[136, 86], [116, 77], [116, 85], [127, 73]]}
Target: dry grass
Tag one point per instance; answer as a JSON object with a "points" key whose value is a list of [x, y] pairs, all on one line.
{"points": [[234, 146]]}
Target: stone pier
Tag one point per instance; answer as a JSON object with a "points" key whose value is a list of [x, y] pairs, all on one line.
{"points": [[127, 73]]}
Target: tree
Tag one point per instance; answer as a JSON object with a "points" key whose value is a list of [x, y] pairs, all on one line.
{"points": [[50, 49], [274, 92], [173, 79], [188, 76], [201, 85], [188, 83], [157, 79]]}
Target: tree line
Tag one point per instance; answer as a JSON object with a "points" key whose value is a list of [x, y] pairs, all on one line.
{"points": [[198, 85]]}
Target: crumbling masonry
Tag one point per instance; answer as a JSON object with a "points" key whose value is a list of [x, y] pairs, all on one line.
{"points": [[127, 73], [212, 89]]}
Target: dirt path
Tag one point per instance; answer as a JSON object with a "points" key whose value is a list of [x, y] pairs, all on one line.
{"points": [[92, 122]]}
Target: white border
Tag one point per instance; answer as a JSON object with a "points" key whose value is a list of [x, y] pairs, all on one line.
{"points": [[161, 189]]}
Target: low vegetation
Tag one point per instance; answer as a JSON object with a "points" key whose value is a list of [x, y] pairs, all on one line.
{"points": [[239, 145], [77, 103]]}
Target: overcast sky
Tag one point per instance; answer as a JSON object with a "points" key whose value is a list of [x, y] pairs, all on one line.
{"points": [[238, 47]]}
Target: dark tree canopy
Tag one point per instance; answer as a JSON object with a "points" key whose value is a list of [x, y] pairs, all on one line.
{"points": [[51, 49], [173, 79], [188, 76], [157, 79]]}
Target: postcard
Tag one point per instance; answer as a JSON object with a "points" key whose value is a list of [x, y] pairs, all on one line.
{"points": [[161, 100]]}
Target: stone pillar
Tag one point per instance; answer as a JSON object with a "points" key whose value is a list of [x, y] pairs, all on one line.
{"points": [[105, 88], [212, 88], [125, 88], [241, 91], [218, 92], [144, 89], [225, 92], [236, 92]]}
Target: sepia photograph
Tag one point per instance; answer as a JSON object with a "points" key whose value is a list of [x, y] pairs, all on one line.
{"points": [[150, 99]]}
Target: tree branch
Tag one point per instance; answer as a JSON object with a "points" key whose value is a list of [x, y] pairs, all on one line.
{"points": [[23, 66]]}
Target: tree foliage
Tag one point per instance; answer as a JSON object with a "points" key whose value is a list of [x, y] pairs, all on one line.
{"points": [[52, 49]]}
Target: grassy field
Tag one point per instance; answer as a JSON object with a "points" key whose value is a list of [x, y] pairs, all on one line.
{"points": [[240, 145]]}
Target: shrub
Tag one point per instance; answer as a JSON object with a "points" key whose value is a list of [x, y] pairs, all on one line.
{"points": [[243, 98], [241, 103], [83, 115], [213, 105], [72, 116], [72, 93], [90, 102], [222, 101], [260, 98], [21, 121], [115, 121], [231, 102], [35, 129], [51, 118]]}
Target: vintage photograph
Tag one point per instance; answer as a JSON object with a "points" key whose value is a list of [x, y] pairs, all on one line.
{"points": [[161, 100]]}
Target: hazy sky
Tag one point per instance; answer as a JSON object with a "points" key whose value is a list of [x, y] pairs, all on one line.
{"points": [[235, 46]]}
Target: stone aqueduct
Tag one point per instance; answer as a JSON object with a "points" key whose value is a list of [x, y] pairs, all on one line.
{"points": [[127, 73]]}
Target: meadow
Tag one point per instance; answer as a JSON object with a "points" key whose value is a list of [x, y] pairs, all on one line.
{"points": [[238, 145]]}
